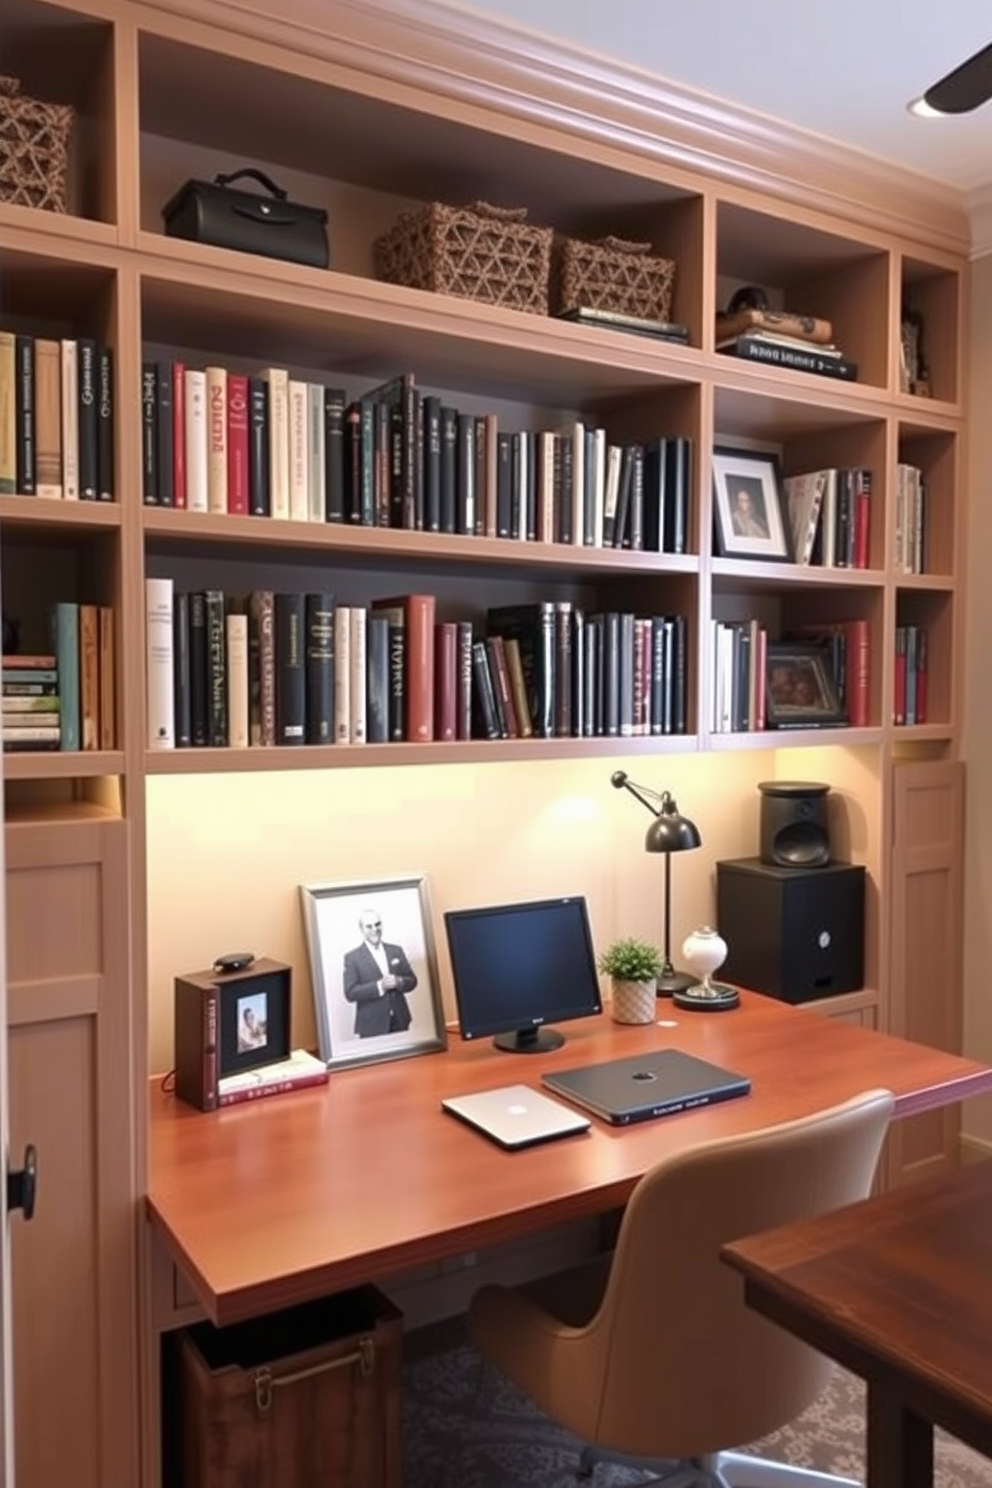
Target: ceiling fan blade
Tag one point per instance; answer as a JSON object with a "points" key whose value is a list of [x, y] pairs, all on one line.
{"points": [[964, 89]]}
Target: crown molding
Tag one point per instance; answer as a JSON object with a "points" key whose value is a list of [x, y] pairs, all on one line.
{"points": [[979, 204], [490, 65]]}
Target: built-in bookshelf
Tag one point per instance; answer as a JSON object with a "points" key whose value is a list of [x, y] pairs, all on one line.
{"points": [[369, 112]]}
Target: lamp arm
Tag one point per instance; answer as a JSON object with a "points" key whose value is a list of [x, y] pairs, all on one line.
{"points": [[655, 801]]}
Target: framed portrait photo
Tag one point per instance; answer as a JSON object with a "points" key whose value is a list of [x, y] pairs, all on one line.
{"points": [[374, 972], [747, 506], [800, 690]]}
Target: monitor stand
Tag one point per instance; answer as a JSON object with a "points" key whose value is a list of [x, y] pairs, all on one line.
{"points": [[529, 1041]]}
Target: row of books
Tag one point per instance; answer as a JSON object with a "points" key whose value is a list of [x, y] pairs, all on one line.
{"points": [[56, 418], [275, 668], [63, 699], [740, 671], [911, 675], [910, 520], [222, 441], [829, 514]]}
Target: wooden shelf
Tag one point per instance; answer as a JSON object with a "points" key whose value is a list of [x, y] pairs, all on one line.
{"points": [[63, 765], [32, 515]]}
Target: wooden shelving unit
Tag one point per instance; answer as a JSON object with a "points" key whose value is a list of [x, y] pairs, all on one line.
{"points": [[376, 111]]}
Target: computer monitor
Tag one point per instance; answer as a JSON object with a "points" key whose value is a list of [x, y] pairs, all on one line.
{"points": [[519, 967]]}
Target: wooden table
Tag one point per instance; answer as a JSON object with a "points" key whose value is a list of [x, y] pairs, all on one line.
{"points": [[898, 1289], [279, 1201]]}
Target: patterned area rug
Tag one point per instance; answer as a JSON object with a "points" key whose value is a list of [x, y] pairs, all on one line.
{"points": [[466, 1426]]}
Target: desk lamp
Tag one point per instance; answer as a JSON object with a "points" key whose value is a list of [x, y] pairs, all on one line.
{"points": [[669, 833]]}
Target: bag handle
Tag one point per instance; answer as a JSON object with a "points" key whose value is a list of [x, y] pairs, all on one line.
{"points": [[256, 175]]}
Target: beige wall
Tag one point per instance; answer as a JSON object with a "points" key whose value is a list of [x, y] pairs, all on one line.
{"points": [[978, 702], [227, 852]]}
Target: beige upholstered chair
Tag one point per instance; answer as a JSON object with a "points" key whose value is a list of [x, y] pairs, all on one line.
{"points": [[652, 1353]]}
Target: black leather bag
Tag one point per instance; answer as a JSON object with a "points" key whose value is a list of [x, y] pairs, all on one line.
{"points": [[214, 212]]}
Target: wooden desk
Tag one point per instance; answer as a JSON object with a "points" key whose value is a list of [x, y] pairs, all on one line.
{"points": [[266, 1204], [899, 1290]]}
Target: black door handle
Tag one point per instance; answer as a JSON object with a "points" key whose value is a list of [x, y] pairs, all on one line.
{"points": [[22, 1183]]}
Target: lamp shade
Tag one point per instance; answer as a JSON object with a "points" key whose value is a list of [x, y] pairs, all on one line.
{"points": [[670, 831]]}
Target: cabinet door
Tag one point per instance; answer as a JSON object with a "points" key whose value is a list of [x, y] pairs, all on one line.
{"points": [[924, 1001], [68, 923]]}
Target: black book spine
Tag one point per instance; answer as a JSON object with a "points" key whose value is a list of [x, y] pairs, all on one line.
{"points": [[377, 680], [87, 396], [449, 469], [105, 424], [216, 668], [198, 668], [465, 475], [290, 622], [182, 686], [611, 674], [412, 509], [564, 486], [397, 682], [622, 518], [484, 693], [319, 618], [463, 699], [149, 429], [353, 462], [432, 463], [578, 671], [259, 493], [634, 536], [528, 494], [798, 358], [24, 414], [504, 483], [590, 676], [481, 446], [334, 461], [677, 472]]}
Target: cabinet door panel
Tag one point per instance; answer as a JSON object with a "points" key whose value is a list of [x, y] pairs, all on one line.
{"points": [[925, 947], [68, 920]]}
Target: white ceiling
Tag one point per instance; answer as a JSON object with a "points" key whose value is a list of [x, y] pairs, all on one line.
{"points": [[844, 69]]}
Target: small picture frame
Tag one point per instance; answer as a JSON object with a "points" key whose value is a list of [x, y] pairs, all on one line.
{"points": [[800, 690], [374, 971], [747, 506]]}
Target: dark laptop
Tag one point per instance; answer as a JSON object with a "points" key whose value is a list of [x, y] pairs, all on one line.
{"points": [[647, 1085]]}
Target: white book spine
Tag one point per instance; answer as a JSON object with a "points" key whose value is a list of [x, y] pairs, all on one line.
{"points": [[299, 452], [342, 675], [237, 681], [159, 680], [599, 489], [359, 678], [216, 378], [278, 380], [70, 420], [195, 393], [316, 467], [578, 482]]}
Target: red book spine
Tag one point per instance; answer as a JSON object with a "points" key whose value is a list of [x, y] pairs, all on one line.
{"points": [[501, 682], [446, 680], [921, 676], [179, 434], [858, 670], [862, 518], [278, 1087], [420, 613], [237, 443]]}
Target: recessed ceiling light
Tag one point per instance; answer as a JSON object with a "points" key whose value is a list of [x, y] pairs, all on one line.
{"points": [[920, 109]]}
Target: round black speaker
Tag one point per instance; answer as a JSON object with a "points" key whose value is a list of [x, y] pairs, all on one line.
{"points": [[794, 828]]}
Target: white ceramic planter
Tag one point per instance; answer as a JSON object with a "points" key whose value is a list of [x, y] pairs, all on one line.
{"points": [[634, 1002]]}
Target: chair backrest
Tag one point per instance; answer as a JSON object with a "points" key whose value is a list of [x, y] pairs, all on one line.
{"points": [[674, 1337]]}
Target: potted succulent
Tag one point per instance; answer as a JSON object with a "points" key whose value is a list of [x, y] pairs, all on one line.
{"points": [[633, 967]]}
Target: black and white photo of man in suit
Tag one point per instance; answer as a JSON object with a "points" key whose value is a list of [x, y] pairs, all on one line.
{"points": [[377, 977]]}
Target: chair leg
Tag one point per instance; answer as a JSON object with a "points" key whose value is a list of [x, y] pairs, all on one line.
{"points": [[743, 1471]]}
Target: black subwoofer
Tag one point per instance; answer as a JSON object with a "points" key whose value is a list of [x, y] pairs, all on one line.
{"points": [[794, 828], [794, 933]]}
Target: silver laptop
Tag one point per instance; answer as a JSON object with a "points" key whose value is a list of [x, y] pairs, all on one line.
{"points": [[515, 1115], [647, 1085]]}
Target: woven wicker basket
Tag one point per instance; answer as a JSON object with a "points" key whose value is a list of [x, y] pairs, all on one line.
{"points": [[613, 275], [34, 149], [480, 251]]}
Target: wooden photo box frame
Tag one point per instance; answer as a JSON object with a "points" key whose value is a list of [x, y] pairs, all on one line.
{"points": [[800, 688], [229, 1022], [747, 506]]}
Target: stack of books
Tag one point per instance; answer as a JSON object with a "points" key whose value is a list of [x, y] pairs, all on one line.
{"points": [[31, 718], [779, 339]]}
